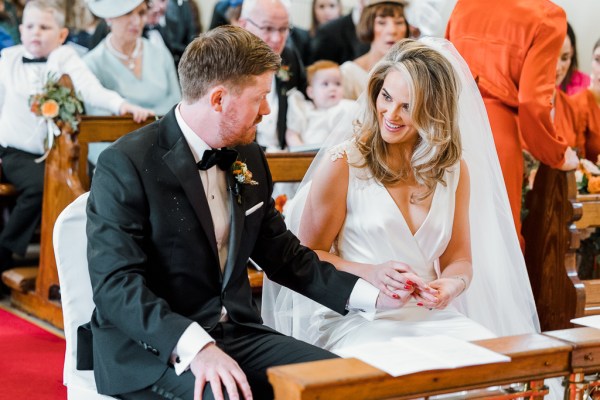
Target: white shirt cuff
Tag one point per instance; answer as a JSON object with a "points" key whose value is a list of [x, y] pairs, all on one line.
{"points": [[364, 299], [193, 340]]}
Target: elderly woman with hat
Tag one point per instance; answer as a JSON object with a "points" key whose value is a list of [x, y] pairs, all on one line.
{"points": [[382, 23], [140, 71]]}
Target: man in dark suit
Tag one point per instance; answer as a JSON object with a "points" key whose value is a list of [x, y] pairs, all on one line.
{"points": [[171, 225], [337, 40], [270, 21]]}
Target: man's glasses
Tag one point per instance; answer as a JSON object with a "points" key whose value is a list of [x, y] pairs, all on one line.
{"points": [[269, 30]]}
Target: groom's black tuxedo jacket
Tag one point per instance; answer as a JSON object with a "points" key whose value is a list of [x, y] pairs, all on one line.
{"points": [[153, 258]]}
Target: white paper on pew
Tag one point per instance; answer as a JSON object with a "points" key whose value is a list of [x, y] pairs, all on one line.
{"points": [[406, 355], [592, 321]]}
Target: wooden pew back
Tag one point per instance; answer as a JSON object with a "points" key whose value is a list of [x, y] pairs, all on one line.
{"points": [[552, 232]]}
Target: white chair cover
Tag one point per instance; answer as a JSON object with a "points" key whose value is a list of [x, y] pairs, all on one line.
{"points": [[70, 249]]}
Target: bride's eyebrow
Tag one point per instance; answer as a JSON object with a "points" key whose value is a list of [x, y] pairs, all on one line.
{"points": [[385, 92]]}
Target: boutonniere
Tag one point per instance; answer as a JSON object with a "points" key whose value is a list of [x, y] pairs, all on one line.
{"points": [[242, 176], [284, 73]]}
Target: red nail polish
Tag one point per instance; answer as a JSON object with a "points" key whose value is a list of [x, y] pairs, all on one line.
{"points": [[395, 296], [420, 304], [409, 282], [407, 287]]}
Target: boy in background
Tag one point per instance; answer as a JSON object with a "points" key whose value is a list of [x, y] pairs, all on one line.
{"points": [[23, 71]]}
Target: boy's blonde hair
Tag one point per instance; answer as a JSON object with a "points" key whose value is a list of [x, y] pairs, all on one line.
{"points": [[56, 7], [317, 66]]}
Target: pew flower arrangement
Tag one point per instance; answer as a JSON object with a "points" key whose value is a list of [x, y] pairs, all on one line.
{"points": [[59, 106], [588, 177]]}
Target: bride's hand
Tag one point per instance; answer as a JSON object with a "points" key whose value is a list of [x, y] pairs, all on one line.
{"points": [[394, 278], [447, 290]]}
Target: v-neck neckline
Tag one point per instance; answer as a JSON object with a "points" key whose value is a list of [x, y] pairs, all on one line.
{"points": [[405, 222]]}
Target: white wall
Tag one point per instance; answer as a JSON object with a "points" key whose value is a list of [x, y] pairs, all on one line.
{"points": [[583, 17]]}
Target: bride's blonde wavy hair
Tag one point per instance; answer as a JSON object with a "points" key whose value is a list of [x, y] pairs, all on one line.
{"points": [[433, 90]]}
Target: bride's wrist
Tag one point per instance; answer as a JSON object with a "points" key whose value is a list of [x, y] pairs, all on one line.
{"points": [[463, 283]]}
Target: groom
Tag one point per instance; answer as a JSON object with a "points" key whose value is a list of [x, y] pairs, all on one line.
{"points": [[171, 225]]}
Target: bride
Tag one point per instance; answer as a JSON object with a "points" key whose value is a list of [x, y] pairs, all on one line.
{"points": [[417, 188]]}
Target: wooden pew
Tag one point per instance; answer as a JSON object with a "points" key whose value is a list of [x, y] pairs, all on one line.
{"points": [[65, 179], [534, 357], [552, 230]]}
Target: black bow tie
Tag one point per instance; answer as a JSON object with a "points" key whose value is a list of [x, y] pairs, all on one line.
{"points": [[34, 60], [223, 158]]}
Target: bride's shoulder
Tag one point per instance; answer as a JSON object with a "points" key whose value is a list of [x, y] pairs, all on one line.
{"points": [[347, 149]]}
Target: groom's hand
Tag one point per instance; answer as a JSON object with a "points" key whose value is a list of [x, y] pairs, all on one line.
{"points": [[214, 366], [385, 302]]}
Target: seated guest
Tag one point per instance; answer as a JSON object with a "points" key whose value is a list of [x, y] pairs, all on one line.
{"points": [[309, 122], [575, 81], [336, 40], [22, 72], [588, 102], [181, 26], [270, 21], [155, 24], [226, 12], [567, 115], [140, 71], [9, 32], [324, 11], [382, 24]]}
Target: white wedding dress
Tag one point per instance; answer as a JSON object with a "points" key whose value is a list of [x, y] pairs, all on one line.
{"points": [[498, 301], [374, 232]]}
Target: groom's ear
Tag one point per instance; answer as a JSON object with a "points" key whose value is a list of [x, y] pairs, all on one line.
{"points": [[217, 97]]}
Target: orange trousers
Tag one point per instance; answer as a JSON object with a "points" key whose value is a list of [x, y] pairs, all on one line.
{"points": [[505, 129]]}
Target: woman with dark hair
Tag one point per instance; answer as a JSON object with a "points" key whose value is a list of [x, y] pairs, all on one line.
{"points": [[573, 81], [382, 24], [588, 102]]}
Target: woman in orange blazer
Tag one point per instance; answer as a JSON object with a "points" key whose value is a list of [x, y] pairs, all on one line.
{"points": [[511, 47], [589, 103]]}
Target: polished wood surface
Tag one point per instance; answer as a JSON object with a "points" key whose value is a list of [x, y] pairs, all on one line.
{"points": [[289, 167], [551, 242], [533, 357]]}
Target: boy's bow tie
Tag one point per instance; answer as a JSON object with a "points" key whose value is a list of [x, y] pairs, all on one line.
{"points": [[222, 158], [34, 60]]}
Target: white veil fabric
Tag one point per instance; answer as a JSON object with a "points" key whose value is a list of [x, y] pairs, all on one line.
{"points": [[499, 296]]}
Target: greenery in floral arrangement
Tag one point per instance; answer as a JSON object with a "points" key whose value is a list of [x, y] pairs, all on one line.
{"points": [[59, 102]]}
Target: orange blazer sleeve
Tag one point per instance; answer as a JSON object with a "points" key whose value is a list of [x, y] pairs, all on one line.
{"points": [[536, 87]]}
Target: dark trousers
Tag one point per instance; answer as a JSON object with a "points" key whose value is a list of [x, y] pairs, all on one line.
{"points": [[254, 350], [20, 169]]}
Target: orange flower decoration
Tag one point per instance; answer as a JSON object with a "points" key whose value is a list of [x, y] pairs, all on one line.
{"points": [[280, 202], [50, 109]]}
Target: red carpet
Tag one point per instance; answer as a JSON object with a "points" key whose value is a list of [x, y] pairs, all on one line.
{"points": [[31, 361]]}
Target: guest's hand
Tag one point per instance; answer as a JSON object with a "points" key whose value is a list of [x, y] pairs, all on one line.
{"points": [[214, 366], [571, 160], [139, 114]]}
